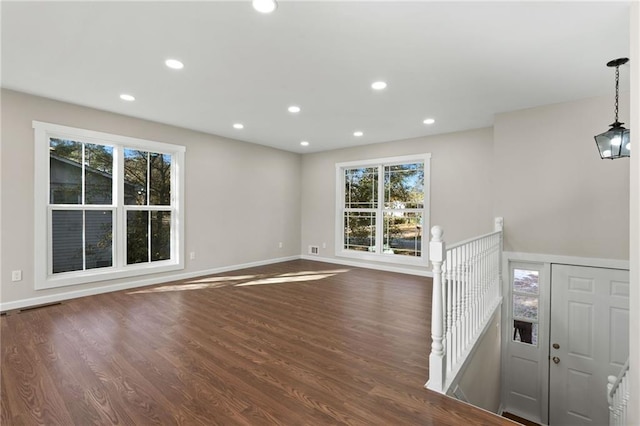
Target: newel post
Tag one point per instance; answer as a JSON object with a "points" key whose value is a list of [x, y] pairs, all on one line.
{"points": [[437, 362]]}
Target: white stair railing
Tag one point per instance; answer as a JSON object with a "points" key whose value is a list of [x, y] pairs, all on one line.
{"points": [[618, 396], [466, 293]]}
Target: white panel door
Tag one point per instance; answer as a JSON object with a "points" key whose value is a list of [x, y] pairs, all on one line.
{"points": [[589, 341]]}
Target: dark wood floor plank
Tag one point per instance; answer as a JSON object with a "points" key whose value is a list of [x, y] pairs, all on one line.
{"points": [[295, 343], [28, 381]]}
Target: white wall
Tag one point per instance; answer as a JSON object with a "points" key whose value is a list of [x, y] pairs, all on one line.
{"points": [[634, 297], [481, 379], [461, 189], [555, 193], [241, 199]]}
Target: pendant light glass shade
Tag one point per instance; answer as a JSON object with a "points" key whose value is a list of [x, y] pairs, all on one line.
{"points": [[265, 6], [615, 142]]}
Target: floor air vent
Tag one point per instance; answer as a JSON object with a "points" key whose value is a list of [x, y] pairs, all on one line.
{"points": [[314, 250]]}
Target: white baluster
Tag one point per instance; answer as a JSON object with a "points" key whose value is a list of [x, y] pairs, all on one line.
{"points": [[612, 403], [455, 327], [463, 299], [449, 310]]}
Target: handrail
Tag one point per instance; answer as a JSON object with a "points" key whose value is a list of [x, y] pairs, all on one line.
{"points": [[472, 239]]}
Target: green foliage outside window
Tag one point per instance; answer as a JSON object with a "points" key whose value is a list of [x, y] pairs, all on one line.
{"points": [[402, 200]]}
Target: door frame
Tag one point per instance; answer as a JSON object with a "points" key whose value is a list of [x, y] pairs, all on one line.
{"points": [[544, 261]]}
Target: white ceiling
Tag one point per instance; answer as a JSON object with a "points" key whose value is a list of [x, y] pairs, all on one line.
{"points": [[458, 62]]}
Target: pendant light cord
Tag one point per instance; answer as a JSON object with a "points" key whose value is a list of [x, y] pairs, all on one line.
{"points": [[617, 78]]}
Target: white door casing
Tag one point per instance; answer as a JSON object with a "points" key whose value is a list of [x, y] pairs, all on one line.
{"points": [[588, 341]]}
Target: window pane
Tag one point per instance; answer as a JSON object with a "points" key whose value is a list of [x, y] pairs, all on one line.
{"points": [[402, 233], [525, 281], [361, 188], [98, 174], [98, 239], [404, 186], [135, 177], [360, 231], [525, 307], [66, 229], [160, 236], [160, 179], [65, 172], [137, 237], [525, 332]]}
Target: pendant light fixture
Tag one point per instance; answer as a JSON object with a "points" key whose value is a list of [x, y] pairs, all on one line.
{"points": [[615, 142], [265, 6]]}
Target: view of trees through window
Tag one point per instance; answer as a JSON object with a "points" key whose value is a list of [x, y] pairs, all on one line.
{"points": [[525, 306], [147, 178], [81, 188], [386, 199]]}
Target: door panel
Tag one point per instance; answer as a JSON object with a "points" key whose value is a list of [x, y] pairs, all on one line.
{"points": [[589, 341]]}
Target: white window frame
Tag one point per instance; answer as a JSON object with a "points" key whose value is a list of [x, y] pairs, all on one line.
{"points": [[44, 278], [379, 255]]}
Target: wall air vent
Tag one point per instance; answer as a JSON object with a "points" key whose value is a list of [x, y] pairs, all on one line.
{"points": [[314, 250]]}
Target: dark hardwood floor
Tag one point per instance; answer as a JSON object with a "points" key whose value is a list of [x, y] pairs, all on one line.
{"points": [[295, 343]]}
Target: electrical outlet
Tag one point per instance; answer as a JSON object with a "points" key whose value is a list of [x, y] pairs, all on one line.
{"points": [[16, 275], [280, 244], [324, 245], [192, 255]]}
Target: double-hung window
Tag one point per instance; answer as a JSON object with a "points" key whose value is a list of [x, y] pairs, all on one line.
{"points": [[107, 206], [382, 209]]}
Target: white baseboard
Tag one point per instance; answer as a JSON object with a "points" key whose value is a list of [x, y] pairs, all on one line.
{"points": [[74, 294], [387, 268]]}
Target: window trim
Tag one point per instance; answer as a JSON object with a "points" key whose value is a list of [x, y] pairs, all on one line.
{"points": [[423, 260], [43, 252]]}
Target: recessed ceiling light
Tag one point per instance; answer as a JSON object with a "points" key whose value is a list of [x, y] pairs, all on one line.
{"points": [[238, 126], [265, 6], [174, 63], [294, 109], [127, 97], [358, 133], [429, 121], [379, 85], [304, 143]]}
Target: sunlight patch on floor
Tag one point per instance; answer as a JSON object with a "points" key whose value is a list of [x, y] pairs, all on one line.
{"points": [[179, 287], [287, 279], [334, 272], [251, 280], [224, 279]]}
